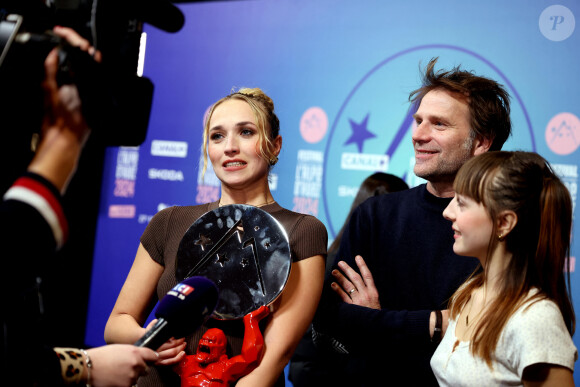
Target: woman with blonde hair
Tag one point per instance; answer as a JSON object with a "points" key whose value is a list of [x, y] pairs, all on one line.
{"points": [[242, 141], [511, 323]]}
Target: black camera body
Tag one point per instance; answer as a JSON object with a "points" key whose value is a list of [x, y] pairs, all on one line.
{"points": [[116, 100]]}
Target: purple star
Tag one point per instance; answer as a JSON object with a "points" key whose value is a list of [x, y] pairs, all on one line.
{"points": [[360, 133]]}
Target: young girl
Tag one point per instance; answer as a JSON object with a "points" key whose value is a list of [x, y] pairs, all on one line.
{"points": [[241, 138], [510, 324]]}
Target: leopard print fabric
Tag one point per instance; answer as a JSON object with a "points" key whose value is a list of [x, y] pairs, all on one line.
{"points": [[72, 363]]}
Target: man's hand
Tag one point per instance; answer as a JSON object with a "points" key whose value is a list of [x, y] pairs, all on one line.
{"points": [[354, 288]]}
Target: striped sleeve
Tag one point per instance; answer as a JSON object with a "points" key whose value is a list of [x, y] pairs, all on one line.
{"points": [[41, 195]]}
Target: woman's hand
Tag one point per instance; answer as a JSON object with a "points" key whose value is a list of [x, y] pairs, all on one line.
{"points": [[118, 364], [170, 352]]}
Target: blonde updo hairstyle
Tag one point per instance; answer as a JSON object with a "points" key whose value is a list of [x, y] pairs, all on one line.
{"points": [[266, 120]]}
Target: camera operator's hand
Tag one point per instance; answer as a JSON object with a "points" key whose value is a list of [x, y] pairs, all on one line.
{"points": [[64, 129], [74, 39]]}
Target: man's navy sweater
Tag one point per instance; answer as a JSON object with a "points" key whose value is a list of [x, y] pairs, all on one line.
{"points": [[408, 247]]}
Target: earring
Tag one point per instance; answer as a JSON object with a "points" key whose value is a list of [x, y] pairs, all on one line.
{"points": [[500, 237], [273, 160]]}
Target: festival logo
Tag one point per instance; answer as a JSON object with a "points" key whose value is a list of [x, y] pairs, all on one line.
{"points": [[563, 133], [313, 125], [126, 172], [568, 173], [208, 185], [308, 181]]}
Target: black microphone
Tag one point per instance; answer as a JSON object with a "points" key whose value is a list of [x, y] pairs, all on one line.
{"points": [[161, 14], [183, 309]]}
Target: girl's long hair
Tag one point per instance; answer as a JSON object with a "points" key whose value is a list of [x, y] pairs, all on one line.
{"points": [[525, 183]]}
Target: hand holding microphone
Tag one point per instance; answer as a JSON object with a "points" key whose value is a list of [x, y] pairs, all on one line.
{"points": [[183, 309], [118, 365]]}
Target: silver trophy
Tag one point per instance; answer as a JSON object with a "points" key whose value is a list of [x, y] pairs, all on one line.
{"points": [[243, 250]]}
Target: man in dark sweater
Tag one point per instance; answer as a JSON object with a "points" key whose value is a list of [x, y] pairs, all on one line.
{"points": [[391, 316]]}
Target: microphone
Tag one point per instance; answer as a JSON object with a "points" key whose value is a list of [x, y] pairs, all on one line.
{"points": [[183, 309], [161, 14]]}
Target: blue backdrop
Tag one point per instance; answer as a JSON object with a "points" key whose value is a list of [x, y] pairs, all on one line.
{"points": [[340, 73]]}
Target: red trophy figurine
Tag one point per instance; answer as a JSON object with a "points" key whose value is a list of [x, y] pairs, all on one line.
{"points": [[210, 366]]}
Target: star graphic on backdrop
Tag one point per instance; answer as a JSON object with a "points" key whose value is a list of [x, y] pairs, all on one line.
{"points": [[203, 241], [360, 133]]}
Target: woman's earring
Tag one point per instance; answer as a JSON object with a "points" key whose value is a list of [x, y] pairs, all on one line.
{"points": [[273, 160], [500, 237]]}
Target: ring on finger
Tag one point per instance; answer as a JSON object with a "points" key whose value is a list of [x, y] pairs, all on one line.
{"points": [[351, 291]]}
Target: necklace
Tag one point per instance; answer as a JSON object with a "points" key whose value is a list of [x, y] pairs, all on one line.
{"points": [[257, 205], [474, 318]]}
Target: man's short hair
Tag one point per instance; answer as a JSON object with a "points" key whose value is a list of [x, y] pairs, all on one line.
{"points": [[489, 102]]}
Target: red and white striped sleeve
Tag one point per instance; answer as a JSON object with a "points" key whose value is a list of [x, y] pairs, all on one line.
{"points": [[37, 193]]}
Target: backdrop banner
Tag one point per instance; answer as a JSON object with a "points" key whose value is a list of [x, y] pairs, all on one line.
{"points": [[340, 74]]}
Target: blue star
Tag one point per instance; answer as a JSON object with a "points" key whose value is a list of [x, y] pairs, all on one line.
{"points": [[360, 133]]}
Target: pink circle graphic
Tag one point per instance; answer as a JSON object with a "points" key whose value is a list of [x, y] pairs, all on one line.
{"points": [[313, 125], [563, 133]]}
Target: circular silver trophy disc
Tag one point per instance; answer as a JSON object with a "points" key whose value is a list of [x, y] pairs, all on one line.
{"points": [[243, 250]]}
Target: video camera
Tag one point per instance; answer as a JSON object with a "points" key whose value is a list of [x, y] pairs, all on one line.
{"points": [[116, 100]]}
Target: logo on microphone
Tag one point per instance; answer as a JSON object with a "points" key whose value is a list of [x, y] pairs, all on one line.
{"points": [[180, 291]]}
